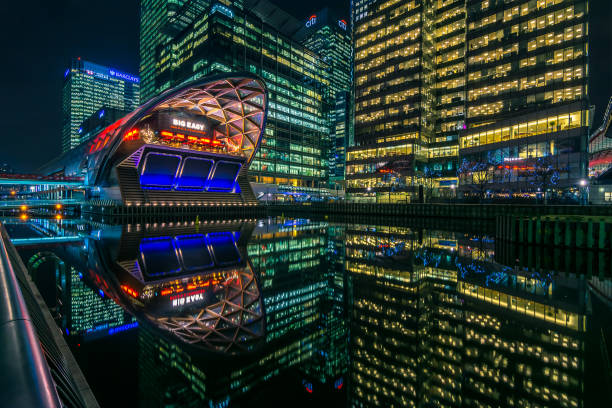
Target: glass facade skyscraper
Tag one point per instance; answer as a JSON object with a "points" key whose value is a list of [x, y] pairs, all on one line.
{"points": [[394, 75], [329, 37], [160, 20], [490, 96], [230, 36], [527, 107], [89, 87]]}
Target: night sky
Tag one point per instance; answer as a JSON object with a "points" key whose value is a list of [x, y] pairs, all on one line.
{"points": [[40, 37]]}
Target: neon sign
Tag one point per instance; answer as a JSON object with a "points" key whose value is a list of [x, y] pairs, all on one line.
{"points": [[342, 24], [187, 299], [122, 75], [187, 124], [311, 21]]}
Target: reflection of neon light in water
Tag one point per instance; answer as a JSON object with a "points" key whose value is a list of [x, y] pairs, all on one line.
{"points": [[307, 386], [125, 327]]}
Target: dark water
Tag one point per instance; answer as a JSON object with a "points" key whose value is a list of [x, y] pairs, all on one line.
{"points": [[300, 312]]}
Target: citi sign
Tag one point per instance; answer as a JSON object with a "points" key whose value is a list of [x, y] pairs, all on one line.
{"points": [[311, 21]]}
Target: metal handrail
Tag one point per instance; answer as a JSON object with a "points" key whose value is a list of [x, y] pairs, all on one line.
{"points": [[26, 379]]}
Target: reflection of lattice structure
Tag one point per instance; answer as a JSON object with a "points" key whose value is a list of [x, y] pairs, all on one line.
{"points": [[237, 105], [233, 324]]}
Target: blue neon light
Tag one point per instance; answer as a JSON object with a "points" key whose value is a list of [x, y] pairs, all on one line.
{"points": [[66, 72], [222, 9], [193, 251], [101, 113], [224, 247], [159, 170], [224, 176], [118, 329], [193, 174], [167, 255], [158, 256], [122, 75]]}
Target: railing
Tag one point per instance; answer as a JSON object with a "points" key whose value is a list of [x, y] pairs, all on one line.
{"points": [[38, 369], [26, 379], [6, 204]]}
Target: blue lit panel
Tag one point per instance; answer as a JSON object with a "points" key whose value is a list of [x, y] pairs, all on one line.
{"points": [[223, 247], [194, 173], [159, 170], [158, 257], [224, 176], [194, 252]]}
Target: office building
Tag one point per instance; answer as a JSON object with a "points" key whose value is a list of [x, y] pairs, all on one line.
{"points": [[394, 75], [329, 37], [292, 159], [527, 111], [160, 20], [89, 87], [434, 322], [97, 121], [488, 94], [600, 160]]}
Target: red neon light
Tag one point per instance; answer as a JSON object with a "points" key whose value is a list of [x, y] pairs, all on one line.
{"points": [[167, 134], [131, 135], [342, 21], [129, 291], [190, 286], [179, 137]]}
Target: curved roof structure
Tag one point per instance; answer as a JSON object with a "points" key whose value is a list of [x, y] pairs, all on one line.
{"points": [[235, 105], [191, 144], [193, 285], [232, 324]]}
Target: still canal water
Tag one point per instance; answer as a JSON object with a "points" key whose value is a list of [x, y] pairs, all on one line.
{"points": [[296, 312]]}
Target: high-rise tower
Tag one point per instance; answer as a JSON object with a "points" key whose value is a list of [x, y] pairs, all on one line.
{"points": [[236, 36], [329, 36], [89, 87]]}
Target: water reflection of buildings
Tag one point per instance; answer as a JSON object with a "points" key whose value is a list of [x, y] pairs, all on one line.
{"points": [[304, 338], [81, 309], [381, 316], [432, 326]]}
